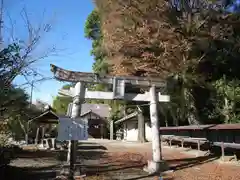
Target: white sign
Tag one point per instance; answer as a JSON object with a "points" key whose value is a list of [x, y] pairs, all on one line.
{"points": [[72, 129]]}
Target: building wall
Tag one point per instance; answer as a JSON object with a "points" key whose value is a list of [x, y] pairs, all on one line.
{"points": [[130, 131], [148, 131]]}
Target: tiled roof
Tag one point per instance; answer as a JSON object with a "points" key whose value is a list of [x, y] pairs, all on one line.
{"points": [[103, 110]]}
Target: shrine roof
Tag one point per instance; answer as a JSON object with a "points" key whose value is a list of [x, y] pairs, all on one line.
{"points": [[47, 117]]}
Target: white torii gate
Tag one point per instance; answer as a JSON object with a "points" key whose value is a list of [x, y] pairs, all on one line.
{"points": [[79, 93]]}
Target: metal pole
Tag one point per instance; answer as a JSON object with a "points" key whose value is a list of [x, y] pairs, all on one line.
{"points": [[26, 135], [31, 95], [30, 105], [1, 25]]}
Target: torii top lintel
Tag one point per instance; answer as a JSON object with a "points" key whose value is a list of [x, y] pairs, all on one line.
{"points": [[74, 76]]}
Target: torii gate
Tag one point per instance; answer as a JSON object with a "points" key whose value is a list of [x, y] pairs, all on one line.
{"points": [[79, 93]]}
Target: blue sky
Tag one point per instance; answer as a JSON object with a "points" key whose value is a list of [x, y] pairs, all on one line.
{"points": [[68, 19]]}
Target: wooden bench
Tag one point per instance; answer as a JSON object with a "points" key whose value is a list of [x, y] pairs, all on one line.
{"points": [[210, 131], [166, 137], [224, 145], [185, 139], [199, 142]]}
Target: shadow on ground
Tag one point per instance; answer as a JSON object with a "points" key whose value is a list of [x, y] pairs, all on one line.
{"points": [[130, 170], [178, 164], [18, 173], [35, 153], [91, 147], [123, 166]]}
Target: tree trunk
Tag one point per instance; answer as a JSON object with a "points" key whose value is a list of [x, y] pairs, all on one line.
{"points": [[182, 103], [141, 128], [37, 134], [26, 137], [111, 130], [192, 115], [174, 117], [226, 110], [166, 122]]}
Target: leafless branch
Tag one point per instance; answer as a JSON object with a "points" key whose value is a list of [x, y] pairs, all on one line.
{"points": [[29, 52]]}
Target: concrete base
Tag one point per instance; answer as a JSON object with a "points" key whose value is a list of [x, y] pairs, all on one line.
{"points": [[41, 146], [66, 177], [64, 173], [156, 167], [229, 158]]}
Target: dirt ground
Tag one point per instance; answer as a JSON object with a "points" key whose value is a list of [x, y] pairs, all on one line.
{"points": [[114, 160], [184, 166]]}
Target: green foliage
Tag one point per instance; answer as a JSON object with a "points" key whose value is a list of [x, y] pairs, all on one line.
{"points": [[93, 32], [13, 100], [60, 103], [92, 26], [16, 110], [228, 105], [10, 64]]}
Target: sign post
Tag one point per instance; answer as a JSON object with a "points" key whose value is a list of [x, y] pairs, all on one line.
{"points": [[71, 129], [76, 113]]}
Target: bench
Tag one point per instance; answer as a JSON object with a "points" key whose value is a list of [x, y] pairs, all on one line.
{"points": [[214, 134], [199, 142], [46, 145], [184, 139], [166, 137], [224, 145]]}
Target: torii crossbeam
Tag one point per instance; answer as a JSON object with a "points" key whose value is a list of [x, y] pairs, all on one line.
{"points": [[74, 76]]}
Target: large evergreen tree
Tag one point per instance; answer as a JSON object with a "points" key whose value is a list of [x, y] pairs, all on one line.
{"points": [[93, 32]]}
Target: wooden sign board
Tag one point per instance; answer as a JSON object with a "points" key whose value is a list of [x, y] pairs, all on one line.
{"points": [[72, 129]]}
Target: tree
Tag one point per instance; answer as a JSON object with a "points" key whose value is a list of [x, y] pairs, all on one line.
{"points": [[154, 38], [93, 32], [18, 58], [151, 45], [12, 101], [16, 111], [132, 38], [60, 103], [20, 124]]}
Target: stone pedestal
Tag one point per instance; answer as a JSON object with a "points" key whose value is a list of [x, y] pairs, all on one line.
{"points": [[53, 144], [156, 167], [47, 144]]}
